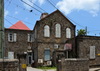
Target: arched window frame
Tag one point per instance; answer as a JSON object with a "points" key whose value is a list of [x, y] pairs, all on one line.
{"points": [[68, 33], [46, 31], [58, 30]]}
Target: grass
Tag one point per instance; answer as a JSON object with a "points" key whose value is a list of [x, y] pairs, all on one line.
{"points": [[46, 68]]}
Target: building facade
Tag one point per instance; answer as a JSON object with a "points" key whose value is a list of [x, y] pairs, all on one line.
{"points": [[50, 34], [87, 47], [18, 43]]}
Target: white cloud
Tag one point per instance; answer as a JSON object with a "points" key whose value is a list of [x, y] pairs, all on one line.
{"points": [[6, 12], [30, 2], [41, 1], [67, 6], [16, 12]]}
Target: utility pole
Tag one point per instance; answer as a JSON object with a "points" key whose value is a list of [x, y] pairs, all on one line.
{"points": [[1, 28], [86, 30]]}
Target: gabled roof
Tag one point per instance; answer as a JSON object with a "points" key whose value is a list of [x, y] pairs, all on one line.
{"points": [[60, 13], [20, 26]]}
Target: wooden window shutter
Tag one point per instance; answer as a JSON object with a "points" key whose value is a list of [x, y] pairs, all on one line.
{"points": [[8, 36], [28, 38], [14, 37], [92, 52]]}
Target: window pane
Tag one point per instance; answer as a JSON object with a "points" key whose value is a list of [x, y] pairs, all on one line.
{"points": [[58, 30], [68, 33], [47, 55], [10, 37], [46, 31]]}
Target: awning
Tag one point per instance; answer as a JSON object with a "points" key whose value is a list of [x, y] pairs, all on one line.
{"points": [[68, 46]]}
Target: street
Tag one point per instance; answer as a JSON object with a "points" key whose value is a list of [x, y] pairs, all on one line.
{"points": [[35, 69]]}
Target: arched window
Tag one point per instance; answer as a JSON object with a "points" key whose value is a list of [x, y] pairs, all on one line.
{"points": [[46, 31], [57, 30], [68, 33]]}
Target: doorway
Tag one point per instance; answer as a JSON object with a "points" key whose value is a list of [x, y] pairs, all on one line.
{"points": [[29, 58]]}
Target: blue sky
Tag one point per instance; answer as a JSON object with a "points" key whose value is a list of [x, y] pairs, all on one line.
{"points": [[81, 12]]}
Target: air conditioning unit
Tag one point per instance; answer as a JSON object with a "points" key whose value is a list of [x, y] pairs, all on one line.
{"points": [[40, 60], [55, 46], [49, 63]]}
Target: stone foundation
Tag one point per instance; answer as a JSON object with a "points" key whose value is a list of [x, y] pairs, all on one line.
{"points": [[73, 65], [9, 65]]}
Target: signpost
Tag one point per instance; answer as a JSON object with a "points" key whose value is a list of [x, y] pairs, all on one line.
{"points": [[1, 27], [67, 47]]}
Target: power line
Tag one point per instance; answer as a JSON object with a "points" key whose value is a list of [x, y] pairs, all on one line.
{"points": [[10, 22], [52, 4], [38, 6], [9, 3], [31, 6], [93, 30], [75, 22], [18, 19], [67, 17]]}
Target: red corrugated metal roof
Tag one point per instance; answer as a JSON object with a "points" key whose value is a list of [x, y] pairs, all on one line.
{"points": [[19, 25]]}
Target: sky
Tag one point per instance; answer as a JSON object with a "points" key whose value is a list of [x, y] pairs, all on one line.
{"points": [[82, 13]]}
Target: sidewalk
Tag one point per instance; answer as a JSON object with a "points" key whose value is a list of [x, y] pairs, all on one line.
{"points": [[93, 69], [35, 69]]}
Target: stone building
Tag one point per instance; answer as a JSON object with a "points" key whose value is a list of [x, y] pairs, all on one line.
{"points": [[50, 34], [18, 41], [87, 47]]}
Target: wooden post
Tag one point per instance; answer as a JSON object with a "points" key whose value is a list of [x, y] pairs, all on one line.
{"points": [[1, 27]]}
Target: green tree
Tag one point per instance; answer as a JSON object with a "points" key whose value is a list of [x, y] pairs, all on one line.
{"points": [[81, 32]]}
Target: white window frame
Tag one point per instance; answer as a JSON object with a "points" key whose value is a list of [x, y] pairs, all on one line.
{"points": [[45, 55], [29, 38], [12, 36], [68, 33], [58, 30], [46, 31]]}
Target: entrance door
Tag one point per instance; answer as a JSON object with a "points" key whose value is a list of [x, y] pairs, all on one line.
{"points": [[29, 57]]}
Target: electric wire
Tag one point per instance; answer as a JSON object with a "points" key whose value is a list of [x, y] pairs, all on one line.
{"points": [[10, 22], [18, 19], [52, 4], [38, 6], [9, 3], [31, 6], [67, 17]]}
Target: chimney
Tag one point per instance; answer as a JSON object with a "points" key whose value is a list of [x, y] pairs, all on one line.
{"points": [[43, 15]]}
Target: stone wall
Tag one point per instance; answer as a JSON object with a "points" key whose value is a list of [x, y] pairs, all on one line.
{"points": [[9, 65], [83, 48], [73, 65], [51, 20]]}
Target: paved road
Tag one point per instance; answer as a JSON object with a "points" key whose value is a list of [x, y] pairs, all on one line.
{"points": [[34, 69]]}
